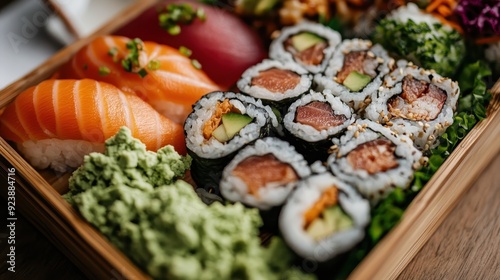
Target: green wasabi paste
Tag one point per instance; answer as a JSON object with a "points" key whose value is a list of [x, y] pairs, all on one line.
{"points": [[136, 199]]}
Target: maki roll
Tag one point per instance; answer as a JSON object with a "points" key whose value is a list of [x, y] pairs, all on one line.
{"points": [[220, 124], [263, 174], [355, 72], [415, 102], [313, 120], [276, 83], [374, 159], [309, 45], [323, 218]]}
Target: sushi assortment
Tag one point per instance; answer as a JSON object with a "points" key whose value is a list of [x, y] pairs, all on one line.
{"points": [[313, 137], [367, 118]]}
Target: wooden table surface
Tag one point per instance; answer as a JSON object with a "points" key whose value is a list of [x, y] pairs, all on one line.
{"points": [[465, 246]]}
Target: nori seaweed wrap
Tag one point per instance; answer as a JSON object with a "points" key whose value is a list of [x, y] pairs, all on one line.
{"points": [[220, 125]]}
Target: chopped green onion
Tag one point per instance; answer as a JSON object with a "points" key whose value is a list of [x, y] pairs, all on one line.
{"points": [[131, 62], [196, 63], [185, 51], [103, 71], [113, 52], [173, 15], [154, 65], [142, 72]]}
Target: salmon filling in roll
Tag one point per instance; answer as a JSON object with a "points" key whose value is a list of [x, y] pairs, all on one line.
{"points": [[419, 100], [306, 47], [319, 115], [362, 62], [374, 156], [276, 80], [264, 171]]}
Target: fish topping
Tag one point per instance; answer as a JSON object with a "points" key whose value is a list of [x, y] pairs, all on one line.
{"points": [[419, 100], [264, 171], [276, 80], [319, 115], [328, 198], [374, 156], [360, 62]]}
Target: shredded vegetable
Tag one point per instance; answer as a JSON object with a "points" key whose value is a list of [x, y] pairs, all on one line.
{"points": [[479, 18]]}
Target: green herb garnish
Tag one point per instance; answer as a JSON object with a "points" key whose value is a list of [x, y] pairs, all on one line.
{"points": [[196, 63], [185, 51], [154, 64], [113, 52], [104, 71], [173, 15], [131, 62]]}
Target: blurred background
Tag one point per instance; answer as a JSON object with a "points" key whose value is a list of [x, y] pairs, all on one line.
{"points": [[25, 42], [32, 31]]}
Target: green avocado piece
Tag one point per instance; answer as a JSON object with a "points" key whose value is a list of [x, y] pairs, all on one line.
{"points": [[356, 81], [263, 6], [319, 229], [305, 40], [234, 122], [333, 220], [220, 134], [335, 217]]}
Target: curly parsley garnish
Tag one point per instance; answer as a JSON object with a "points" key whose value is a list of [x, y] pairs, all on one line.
{"points": [[173, 15]]}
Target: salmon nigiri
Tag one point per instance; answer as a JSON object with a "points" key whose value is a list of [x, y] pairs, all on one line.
{"points": [[159, 74], [58, 121]]}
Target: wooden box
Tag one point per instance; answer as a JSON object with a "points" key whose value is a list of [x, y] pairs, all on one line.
{"points": [[38, 194]]}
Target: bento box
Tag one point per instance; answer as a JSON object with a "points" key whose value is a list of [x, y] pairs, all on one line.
{"points": [[39, 192]]}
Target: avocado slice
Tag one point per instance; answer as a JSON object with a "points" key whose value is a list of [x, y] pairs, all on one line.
{"points": [[220, 134], [337, 218], [303, 41], [333, 220], [356, 81], [234, 122], [319, 229]]}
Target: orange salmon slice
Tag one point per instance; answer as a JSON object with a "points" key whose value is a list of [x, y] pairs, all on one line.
{"points": [[263, 171]]}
